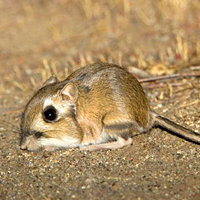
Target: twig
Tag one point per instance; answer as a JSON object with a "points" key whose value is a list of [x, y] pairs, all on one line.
{"points": [[161, 85], [195, 67], [173, 76], [138, 72], [189, 104], [30, 196]]}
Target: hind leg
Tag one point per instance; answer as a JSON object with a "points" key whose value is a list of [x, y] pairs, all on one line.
{"points": [[121, 142]]}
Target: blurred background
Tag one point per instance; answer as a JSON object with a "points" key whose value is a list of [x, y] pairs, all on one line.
{"points": [[73, 33], [40, 38], [88, 28]]}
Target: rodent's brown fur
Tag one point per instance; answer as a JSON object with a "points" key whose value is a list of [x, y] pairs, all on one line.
{"points": [[108, 102]]}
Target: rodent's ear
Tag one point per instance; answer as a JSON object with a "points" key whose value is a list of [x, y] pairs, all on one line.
{"points": [[50, 81], [70, 91]]}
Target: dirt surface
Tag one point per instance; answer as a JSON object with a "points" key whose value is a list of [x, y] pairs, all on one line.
{"points": [[40, 38]]}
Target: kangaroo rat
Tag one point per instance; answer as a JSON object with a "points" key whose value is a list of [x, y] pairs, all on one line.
{"points": [[100, 106]]}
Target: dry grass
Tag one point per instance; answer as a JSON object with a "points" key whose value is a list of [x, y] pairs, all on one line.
{"points": [[89, 31]]}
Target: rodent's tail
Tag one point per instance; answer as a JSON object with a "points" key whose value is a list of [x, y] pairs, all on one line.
{"points": [[176, 129]]}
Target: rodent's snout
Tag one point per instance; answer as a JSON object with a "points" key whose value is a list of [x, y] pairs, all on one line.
{"points": [[23, 144], [30, 143], [23, 147]]}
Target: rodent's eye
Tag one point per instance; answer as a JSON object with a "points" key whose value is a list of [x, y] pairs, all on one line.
{"points": [[50, 114]]}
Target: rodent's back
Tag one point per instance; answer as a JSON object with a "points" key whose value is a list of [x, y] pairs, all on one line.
{"points": [[106, 88]]}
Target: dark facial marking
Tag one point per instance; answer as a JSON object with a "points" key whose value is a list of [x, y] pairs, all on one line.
{"points": [[38, 134]]}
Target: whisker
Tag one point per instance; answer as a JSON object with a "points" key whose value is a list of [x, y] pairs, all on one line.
{"points": [[13, 128], [9, 124], [6, 131], [55, 133]]}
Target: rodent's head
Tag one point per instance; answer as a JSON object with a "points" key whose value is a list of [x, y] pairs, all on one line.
{"points": [[49, 117]]}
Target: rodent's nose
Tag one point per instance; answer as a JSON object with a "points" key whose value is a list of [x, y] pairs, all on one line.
{"points": [[23, 143], [23, 147]]}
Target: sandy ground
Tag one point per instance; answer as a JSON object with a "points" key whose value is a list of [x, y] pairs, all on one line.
{"points": [[40, 38]]}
